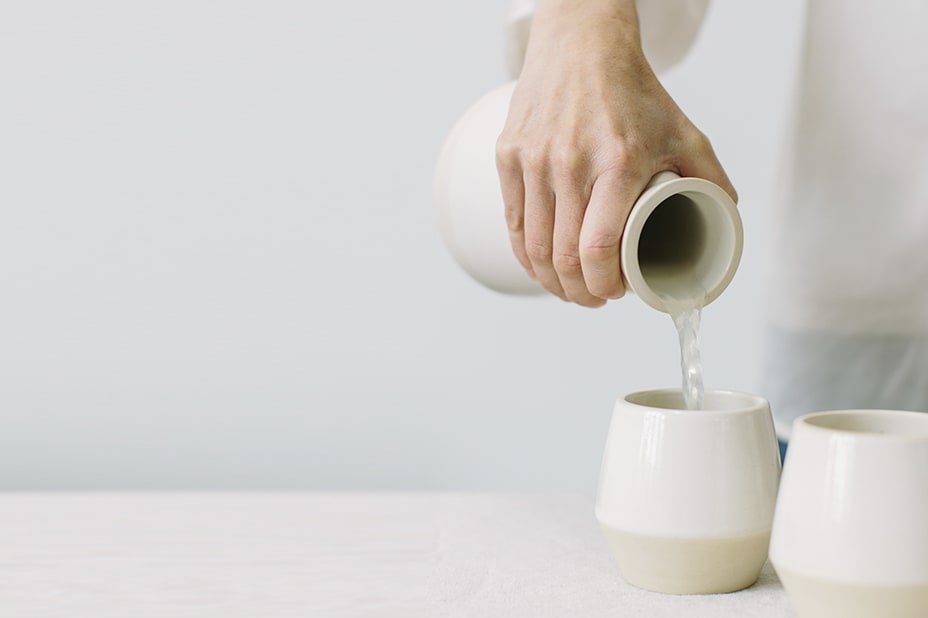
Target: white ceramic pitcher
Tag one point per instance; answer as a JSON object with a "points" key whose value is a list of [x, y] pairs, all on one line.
{"points": [[696, 239]]}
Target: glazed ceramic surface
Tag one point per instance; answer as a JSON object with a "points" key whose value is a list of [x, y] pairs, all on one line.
{"points": [[850, 534], [682, 239], [686, 497]]}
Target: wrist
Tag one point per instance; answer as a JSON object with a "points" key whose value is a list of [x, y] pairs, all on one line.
{"points": [[602, 27]]}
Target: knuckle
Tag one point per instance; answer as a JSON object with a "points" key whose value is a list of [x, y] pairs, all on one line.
{"points": [[700, 142], [600, 247], [515, 217], [507, 152], [623, 159], [568, 162], [538, 251], [567, 263], [535, 158]]}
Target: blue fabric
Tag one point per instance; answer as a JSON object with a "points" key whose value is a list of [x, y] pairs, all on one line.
{"points": [[782, 449]]}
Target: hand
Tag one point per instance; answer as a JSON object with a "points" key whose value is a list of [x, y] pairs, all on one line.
{"points": [[588, 127]]}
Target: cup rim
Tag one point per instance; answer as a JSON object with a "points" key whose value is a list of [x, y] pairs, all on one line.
{"points": [[754, 402], [809, 423]]}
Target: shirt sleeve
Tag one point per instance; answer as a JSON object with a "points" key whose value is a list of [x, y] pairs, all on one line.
{"points": [[668, 30]]}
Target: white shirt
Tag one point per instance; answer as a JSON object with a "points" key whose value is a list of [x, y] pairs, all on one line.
{"points": [[849, 302], [851, 250]]}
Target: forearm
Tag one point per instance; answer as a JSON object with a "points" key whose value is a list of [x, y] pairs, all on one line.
{"points": [[663, 29], [599, 35], [617, 17], [596, 20]]}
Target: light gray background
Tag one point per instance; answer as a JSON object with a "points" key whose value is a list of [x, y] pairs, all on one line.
{"points": [[219, 266]]}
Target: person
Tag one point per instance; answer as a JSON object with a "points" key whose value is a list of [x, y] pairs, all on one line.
{"points": [[590, 123]]}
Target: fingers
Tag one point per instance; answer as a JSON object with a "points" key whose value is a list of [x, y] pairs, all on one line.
{"points": [[563, 232], [611, 199], [570, 207], [513, 189], [539, 232]]}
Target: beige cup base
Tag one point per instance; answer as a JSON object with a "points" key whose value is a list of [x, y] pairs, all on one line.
{"points": [[689, 566], [814, 597]]}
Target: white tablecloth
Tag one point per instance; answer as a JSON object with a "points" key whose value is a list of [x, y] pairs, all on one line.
{"points": [[328, 555]]}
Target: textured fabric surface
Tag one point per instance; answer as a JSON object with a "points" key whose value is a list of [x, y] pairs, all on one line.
{"points": [[544, 556], [327, 555]]}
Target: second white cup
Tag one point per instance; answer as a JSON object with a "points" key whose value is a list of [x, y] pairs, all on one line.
{"points": [[850, 533]]}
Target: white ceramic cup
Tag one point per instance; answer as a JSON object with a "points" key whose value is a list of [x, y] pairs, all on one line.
{"points": [[850, 533], [683, 236], [686, 497]]}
